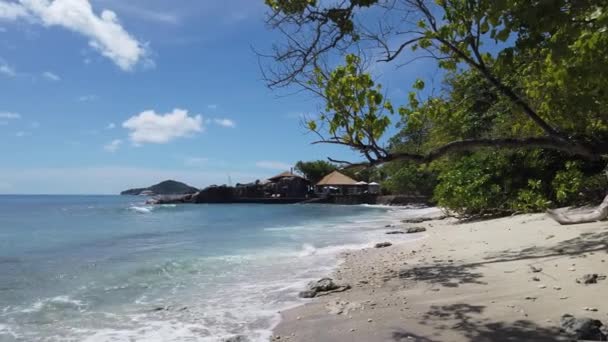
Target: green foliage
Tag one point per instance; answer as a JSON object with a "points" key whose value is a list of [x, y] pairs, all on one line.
{"points": [[568, 183], [472, 185], [502, 59], [531, 199], [355, 106], [314, 171], [409, 178]]}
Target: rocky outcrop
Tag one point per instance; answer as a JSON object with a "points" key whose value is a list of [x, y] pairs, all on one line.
{"points": [[582, 328], [414, 230], [215, 194], [322, 287]]}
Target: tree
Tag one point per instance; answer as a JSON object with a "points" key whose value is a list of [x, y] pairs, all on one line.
{"points": [[314, 171], [544, 61]]}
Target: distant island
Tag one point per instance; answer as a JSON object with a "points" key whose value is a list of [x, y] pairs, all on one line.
{"points": [[169, 187]]}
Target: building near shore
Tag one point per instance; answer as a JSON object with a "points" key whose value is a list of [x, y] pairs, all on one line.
{"points": [[287, 184], [337, 183]]}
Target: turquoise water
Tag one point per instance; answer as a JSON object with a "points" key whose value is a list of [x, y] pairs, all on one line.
{"points": [[109, 268]]}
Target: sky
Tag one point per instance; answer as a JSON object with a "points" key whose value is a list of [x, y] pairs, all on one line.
{"points": [[97, 96]]}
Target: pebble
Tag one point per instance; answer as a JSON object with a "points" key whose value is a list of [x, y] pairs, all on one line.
{"points": [[591, 309], [542, 286], [562, 298], [369, 320], [557, 288]]}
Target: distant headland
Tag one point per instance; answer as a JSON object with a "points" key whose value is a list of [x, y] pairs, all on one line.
{"points": [[168, 187]]}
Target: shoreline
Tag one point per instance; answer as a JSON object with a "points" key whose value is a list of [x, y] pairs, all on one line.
{"points": [[395, 213], [508, 279]]}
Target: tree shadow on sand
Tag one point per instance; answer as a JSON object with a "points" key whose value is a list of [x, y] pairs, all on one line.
{"points": [[452, 275], [448, 275], [464, 319], [585, 243]]}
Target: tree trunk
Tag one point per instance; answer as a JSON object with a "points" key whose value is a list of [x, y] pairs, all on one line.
{"points": [[599, 214]]}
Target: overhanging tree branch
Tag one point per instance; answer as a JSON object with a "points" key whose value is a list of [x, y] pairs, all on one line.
{"points": [[468, 146]]}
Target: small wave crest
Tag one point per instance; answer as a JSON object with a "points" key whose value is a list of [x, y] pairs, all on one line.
{"points": [[53, 304], [141, 210]]}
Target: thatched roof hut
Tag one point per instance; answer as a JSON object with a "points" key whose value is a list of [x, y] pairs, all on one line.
{"points": [[336, 179]]}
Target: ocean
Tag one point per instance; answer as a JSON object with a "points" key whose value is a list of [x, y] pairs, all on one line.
{"points": [[110, 268]]}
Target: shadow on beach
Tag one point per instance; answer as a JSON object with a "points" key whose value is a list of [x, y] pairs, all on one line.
{"points": [[462, 318]]}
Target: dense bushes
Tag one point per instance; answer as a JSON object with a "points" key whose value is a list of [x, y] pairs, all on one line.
{"points": [[507, 182]]}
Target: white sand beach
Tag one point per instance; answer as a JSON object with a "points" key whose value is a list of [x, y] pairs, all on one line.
{"points": [[508, 279]]}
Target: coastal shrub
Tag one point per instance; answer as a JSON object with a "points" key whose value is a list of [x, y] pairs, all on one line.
{"points": [[472, 185], [408, 178], [531, 199], [568, 183]]}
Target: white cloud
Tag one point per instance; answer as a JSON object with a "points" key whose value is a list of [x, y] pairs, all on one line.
{"points": [[212, 106], [104, 31], [113, 145], [10, 115], [224, 122], [150, 127], [22, 134], [272, 165], [12, 11], [7, 70], [111, 125], [51, 76]]}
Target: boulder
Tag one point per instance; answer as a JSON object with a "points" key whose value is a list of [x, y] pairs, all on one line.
{"points": [[413, 230], [582, 328], [322, 286], [383, 245]]}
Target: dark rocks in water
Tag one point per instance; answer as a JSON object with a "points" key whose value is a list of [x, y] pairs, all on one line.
{"points": [[423, 219], [238, 338], [582, 328], [383, 245], [413, 230], [389, 226], [590, 279], [307, 294], [169, 187], [395, 232], [322, 286]]}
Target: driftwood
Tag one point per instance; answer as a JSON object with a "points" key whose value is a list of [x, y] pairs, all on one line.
{"points": [[599, 214]]}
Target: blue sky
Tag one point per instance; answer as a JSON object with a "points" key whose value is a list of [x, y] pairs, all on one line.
{"points": [[100, 95]]}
